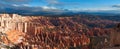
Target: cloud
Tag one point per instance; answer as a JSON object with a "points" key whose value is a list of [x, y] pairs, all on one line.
{"points": [[21, 7], [54, 3], [25, 5], [117, 6], [17, 5], [60, 4], [46, 7], [25, 9]]}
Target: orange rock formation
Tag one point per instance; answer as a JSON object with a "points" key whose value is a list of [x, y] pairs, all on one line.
{"points": [[42, 32]]}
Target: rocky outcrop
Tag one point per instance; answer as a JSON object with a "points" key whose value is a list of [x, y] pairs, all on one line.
{"points": [[42, 32]]}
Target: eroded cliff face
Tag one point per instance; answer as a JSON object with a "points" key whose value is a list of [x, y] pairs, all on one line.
{"points": [[43, 32]]}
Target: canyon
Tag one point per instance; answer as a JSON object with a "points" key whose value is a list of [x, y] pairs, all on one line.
{"points": [[40, 32]]}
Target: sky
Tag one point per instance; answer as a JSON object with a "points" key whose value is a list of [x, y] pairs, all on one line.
{"points": [[59, 5]]}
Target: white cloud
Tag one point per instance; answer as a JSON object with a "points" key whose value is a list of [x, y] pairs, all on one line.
{"points": [[15, 5], [21, 5], [46, 7], [95, 9], [25, 5]]}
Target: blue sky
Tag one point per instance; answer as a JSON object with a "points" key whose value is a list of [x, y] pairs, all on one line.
{"points": [[66, 4], [57, 5], [77, 4]]}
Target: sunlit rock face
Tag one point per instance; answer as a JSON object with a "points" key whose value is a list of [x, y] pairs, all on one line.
{"points": [[42, 32], [10, 22], [13, 37], [13, 26]]}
